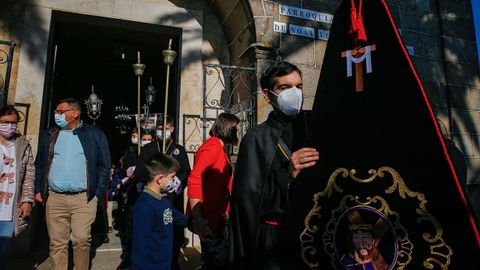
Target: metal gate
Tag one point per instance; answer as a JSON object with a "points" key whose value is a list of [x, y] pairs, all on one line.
{"points": [[6, 57], [226, 88]]}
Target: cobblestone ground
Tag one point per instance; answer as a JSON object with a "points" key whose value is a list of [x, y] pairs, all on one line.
{"points": [[104, 256]]}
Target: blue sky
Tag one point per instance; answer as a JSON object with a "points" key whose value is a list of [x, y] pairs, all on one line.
{"points": [[476, 15]]}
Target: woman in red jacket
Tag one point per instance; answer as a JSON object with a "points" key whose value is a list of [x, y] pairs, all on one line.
{"points": [[209, 186]]}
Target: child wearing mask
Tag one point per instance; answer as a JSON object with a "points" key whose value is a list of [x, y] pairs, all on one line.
{"points": [[146, 139], [154, 216]]}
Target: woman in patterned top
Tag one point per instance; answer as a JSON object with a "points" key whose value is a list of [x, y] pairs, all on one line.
{"points": [[17, 172]]}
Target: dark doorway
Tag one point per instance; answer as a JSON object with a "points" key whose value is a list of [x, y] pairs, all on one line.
{"points": [[88, 50]]}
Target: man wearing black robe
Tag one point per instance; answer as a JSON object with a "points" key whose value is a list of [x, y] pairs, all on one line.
{"points": [[265, 168]]}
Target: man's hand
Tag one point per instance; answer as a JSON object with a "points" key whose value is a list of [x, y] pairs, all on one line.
{"points": [[303, 158], [25, 210], [38, 198]]}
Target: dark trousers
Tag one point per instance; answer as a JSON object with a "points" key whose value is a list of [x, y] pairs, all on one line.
{"points": [[269, 249], [178, 231]]}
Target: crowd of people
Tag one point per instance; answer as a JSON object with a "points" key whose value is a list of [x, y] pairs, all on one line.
{"points": [[238, 212]]}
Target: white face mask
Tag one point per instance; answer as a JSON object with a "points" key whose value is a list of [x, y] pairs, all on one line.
{"points": [[146, 142], [160, 133], [289, 101], [135, 141], [173, 186]]}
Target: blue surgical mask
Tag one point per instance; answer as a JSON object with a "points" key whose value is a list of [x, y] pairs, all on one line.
{"points": [[60, 120]]}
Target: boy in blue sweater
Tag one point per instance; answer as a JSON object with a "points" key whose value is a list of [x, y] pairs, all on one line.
{"points": [[154, 216]]}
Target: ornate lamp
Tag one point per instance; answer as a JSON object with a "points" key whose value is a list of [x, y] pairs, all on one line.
{"points": [[168, 58], [94, 106], [138, 69]]}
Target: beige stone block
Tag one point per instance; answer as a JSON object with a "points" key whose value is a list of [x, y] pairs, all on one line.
{"points": [[215, 47], [308, 103], [166, 14], [32, 63], [191, 49], [30, 85], [473, 97], [191, 91], [298, 50], [190, 102], [65, 5], [96, 7], [36, 30], [465, 121], [310, 83], [466, 143], [33, 126], [320, 47], [122, 8]]}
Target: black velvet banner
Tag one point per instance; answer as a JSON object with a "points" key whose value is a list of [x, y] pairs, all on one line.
{"points": [[384, 176]]}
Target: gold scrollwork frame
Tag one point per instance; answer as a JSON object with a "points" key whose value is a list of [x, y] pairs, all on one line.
{"points": [[440, 252]]}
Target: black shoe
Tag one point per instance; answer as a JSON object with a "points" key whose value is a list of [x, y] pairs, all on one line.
{"points": [[106, 239]]}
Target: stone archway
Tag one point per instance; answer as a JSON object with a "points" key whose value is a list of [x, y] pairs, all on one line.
{"points": [[238, 23]]}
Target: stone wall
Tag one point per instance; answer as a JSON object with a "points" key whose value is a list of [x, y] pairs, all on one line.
{"points": [[442, 35]]}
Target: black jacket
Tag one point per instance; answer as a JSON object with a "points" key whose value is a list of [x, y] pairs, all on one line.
{"points": [[259, 196], [97, 154]]}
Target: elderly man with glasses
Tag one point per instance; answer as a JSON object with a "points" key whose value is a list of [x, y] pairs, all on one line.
{"points": [[72, 168]]}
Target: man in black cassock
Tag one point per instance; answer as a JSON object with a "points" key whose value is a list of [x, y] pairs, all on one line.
{"points": [[265, 168]]}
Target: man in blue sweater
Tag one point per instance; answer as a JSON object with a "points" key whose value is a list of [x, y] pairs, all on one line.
{"points": [[154, 216], [71, 172]]}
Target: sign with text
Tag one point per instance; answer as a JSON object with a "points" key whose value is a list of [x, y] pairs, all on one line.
{"points": [[305, 14], [299, 30], [323, 34], [279, 27], [303, 31]]}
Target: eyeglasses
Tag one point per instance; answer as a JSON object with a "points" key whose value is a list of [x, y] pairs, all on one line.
{"points": [[62, 111]]}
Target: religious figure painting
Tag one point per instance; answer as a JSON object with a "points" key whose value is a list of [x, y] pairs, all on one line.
{"points": [[364, 240]]}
